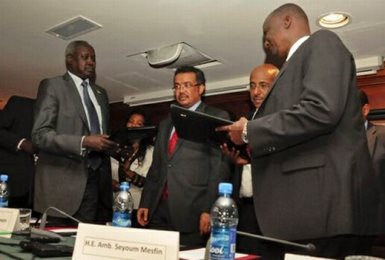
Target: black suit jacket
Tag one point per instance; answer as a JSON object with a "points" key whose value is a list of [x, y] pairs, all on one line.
{"points": [[192, 173], [15, 124], [312, 174]]}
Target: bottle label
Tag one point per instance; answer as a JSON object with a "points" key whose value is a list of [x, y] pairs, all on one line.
{"points": [[121, 219], [3, 202], [223, 243]]}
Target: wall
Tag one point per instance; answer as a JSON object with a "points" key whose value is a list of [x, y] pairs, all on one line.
{"points": [[238, 104]]}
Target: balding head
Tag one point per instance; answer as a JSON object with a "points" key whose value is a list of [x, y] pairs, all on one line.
{"points": [[282, 28], [261, 79]]}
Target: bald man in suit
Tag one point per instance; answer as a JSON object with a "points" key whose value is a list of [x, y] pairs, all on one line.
{"points": [[312, 176]]}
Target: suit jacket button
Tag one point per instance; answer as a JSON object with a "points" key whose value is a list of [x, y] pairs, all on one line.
{"points": [[169, 166]]}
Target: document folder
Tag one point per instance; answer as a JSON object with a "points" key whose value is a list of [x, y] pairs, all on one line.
{"points": [[125, 136], [197, 126], [200, 127]]}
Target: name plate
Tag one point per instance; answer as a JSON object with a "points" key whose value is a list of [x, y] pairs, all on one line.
{"points": [[9, 218], [106, 242]]}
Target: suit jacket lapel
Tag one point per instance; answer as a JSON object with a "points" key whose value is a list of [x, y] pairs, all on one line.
{"points": [[73, 92], [371, 136]]}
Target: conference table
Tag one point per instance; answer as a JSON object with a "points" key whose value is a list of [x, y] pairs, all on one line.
{"points": [[10, 249]]}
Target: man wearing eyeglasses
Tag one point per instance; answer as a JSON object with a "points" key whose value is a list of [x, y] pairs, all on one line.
{"points": [[182, 182], [261, 79]]}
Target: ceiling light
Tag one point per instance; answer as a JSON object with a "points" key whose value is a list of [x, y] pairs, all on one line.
{"points": [[333, 20]]}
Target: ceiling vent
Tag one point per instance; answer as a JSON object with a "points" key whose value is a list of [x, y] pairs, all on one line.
{"points": [[370, 65], [177, 55], [73, 27]]}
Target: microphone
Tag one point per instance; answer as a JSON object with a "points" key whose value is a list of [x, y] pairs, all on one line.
{"points": [[43, 220], [308, 247]]}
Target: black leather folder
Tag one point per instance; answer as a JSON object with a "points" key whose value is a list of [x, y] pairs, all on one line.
{"points": [[197, 126], [200, 127], [125, 136]]}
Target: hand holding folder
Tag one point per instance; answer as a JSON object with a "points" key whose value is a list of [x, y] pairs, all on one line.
{"points": [[200, 127]]}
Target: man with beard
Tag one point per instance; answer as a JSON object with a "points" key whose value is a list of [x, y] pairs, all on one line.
{"points": [[71, 119]]}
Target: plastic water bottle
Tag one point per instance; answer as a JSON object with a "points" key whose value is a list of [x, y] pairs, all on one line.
{"points": [[224, 221], [4, 194], [123, 205]]}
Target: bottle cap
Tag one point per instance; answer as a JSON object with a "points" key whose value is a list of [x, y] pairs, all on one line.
{"points": [[4, 177], [124, 186], [225, 187]]}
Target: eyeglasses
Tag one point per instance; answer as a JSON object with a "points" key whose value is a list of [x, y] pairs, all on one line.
{"points": [[186, 85]]}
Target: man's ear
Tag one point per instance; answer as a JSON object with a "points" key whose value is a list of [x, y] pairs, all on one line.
{"points": [[202, 89], [287, 21]]}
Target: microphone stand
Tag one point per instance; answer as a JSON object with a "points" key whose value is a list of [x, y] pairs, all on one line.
{"points": [[308, 247], [43, 220]]}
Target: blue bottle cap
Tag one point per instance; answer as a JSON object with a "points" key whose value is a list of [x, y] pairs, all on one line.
{"points": [[124, 186], [4, 177], [225, 188]]}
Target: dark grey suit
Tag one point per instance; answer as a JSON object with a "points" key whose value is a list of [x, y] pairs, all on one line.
{"points": [[312, 175], [60, 123], [192, 173]]}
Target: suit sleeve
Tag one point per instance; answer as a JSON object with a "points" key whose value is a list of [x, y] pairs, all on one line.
{"points": [[329, 70], [44, 133], [151, 186]]}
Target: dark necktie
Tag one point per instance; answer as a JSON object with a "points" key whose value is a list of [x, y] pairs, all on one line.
{"points": [[93, 116], [94, 159]]}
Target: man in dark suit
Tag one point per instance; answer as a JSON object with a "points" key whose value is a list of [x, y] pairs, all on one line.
{"points": [[16, 150], [312, 175], [376, 140], [71, 119], [181, 185]]}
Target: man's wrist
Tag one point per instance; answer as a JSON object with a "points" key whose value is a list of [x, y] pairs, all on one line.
{"points": [[244, 133]]}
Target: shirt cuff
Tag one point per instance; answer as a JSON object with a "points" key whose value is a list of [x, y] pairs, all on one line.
{"points": [[83, 150], [244, 133], [18, 147]]}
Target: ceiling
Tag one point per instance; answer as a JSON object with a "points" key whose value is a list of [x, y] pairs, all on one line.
{"points": [[228, 31]]}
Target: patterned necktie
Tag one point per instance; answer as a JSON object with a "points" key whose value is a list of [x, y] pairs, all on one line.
{"points": [[172, 143], [93, 116]]}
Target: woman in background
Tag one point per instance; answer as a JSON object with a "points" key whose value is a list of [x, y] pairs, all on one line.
{"points": [[137, 162]]}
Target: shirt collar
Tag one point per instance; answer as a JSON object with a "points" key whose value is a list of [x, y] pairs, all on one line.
{"points": [[195, 106], [78, 81], [296, 45]]}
